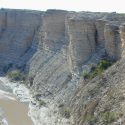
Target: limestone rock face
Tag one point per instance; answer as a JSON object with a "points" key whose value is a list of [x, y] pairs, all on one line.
{"points": [[112, 41], [2, 19], [17, 32], [100, 24], [53, 29], [80, 33], [19, 19], [54, 47], [81, 41], [122, 34], [53, 74]]}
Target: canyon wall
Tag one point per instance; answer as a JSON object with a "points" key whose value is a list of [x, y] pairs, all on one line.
{"points": [[79, 33], [55, 46], [55, 67], [17, 34], [88, 32]]}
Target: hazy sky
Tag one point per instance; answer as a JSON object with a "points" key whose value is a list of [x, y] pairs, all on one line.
{"points": [[76, 5]]}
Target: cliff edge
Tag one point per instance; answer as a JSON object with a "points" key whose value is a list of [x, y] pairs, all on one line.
{"points": [[54, 48]]}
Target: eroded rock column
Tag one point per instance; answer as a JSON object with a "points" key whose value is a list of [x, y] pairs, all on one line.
{"points": [[122, 34], [82, 42], [53, 30], [100, 40], [112, 41]]}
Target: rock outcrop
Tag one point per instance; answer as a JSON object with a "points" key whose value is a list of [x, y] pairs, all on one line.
{"points": [[17, 34], [81, 41], [88, 32], [54, 47], [113, 41], [80, 33], [53, 30], [122, 36], [101, 101]]}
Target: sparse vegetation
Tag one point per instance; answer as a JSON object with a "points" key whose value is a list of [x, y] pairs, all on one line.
{"points": [[108, 117], [16, 76], [67, 113], [37, 96], [86, 75], [89, 118], [112, 93], [42, 103], [97, 70]]}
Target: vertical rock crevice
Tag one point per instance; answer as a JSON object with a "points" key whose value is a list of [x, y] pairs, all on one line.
{"points": [[112, 41], [122, 36], [81, 41]]}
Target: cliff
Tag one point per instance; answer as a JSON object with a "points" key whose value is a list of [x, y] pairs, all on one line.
{"points": [[18, 31], [80, 33], [54, 48]]}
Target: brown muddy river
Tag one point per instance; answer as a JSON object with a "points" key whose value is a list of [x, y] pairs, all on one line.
{"points": [[15, 112]]}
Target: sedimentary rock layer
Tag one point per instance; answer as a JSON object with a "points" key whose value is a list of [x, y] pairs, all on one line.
{"points": [[80, 33], [54, 46]]}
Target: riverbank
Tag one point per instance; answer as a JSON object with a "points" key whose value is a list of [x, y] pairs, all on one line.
{"points": [[12, 98]]}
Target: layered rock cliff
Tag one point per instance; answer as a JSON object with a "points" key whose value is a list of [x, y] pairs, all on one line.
{"points": [[54, 48], [80, 33], [18, 31]]}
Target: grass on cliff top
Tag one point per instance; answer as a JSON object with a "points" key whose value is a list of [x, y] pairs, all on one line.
{"points": [[97, 70], [16, 75]]}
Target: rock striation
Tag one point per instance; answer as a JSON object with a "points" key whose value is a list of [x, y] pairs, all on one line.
{"points": [[82, 41], [17, 34], [80, 33], [89, 31], [112, 44], [53, 30], [122, 35], [54, 47]]}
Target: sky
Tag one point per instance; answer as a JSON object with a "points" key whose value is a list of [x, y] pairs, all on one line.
{"points": [[73, 5]]}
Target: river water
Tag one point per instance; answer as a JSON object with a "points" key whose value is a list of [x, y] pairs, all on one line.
{"points": [[16, 109], [15, 112]]}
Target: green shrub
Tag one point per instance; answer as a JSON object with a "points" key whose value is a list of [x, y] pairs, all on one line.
{"points": [[108, 117], [16, 76], [86, 75], [42, 103], [88, 117], [104, 64], [97, 70], [67, 113]]}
